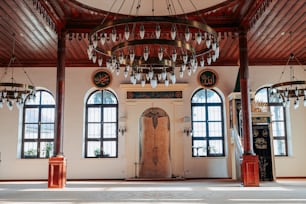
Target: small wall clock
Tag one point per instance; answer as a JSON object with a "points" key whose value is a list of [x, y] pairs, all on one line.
{"points": [[101, 78]]}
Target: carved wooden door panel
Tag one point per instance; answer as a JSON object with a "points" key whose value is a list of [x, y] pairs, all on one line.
{"points": [[154, 151]]}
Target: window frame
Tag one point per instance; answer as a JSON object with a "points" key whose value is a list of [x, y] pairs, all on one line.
{"points": [[208, 138], [37, 140], [277, 104], [101, 139]]}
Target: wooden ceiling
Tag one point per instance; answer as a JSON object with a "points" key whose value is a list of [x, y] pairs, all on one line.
{"points": [[36, 24]]}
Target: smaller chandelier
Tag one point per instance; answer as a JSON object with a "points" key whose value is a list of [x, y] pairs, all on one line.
{"points": [[153, 49], [293, 90], [11, 91]]}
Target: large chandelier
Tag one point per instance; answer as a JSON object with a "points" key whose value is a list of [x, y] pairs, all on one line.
{"points": [[11, 91], [153, 49], [292, 90]]}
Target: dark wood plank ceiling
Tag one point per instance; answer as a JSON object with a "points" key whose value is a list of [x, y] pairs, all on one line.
{"points": [[36, 23]]}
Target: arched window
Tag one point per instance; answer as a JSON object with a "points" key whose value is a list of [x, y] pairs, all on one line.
{"points": [[278, 120], [101, 135], [38, 126], [207, 124]]}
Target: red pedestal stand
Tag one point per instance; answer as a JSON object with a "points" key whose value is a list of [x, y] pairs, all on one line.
{"points": [[250, 170], [57, 172]]}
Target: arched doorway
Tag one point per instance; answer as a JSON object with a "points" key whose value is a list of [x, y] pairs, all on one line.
{"points": [[154, 144]]}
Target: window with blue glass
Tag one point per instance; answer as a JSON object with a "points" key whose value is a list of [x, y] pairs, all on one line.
{"points": [[101, 129], [278, 120], [38, 126], [207, 124]]}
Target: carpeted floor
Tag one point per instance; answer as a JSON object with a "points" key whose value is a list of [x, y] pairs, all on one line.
{"points": [[140, 192]]}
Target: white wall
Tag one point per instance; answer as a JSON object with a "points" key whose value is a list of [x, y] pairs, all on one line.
{"points": [[78, 84]]}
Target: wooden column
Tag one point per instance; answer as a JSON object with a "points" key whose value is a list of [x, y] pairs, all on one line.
{"points": [[57, 164], [249, 166]]}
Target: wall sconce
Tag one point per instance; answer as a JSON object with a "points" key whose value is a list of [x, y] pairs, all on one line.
{"points": [[188, 131], [121, 131]]}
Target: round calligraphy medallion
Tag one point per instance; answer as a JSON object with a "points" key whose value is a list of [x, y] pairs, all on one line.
{"points": [[208, 78], [101, 78]]}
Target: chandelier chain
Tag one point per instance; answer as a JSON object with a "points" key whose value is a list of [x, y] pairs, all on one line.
{"points": [[182, 8], [107, 14], [197, 10], [130, 12]]}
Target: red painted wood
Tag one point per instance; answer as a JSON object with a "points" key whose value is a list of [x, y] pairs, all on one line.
{"points": [[57, 172], [250, 171]]}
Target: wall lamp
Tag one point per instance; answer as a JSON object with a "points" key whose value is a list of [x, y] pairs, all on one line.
{"points": [[122, 130], [188, 131]]}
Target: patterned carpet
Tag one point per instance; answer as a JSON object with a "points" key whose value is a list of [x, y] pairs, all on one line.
{"points": [[140, 192]]}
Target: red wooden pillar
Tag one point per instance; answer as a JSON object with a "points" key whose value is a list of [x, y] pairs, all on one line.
{"points": [[249, 166], [57, 164]]}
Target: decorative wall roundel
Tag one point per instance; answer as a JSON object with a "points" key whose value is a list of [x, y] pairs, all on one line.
{"points": [[101, 78], [208, 78]]}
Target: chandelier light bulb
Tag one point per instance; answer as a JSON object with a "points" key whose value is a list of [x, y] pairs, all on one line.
{"points": [[208, 42], [151, 74], [157, 31], [202, 62], [187, 34], [181, 73], [127, 32], [114, 35], [164, 74], [121, 58], [173, 78], [94, 58], [183, 67], [189, 71], [9, 104], [166, 82], [146, 53], [19, 103], [95, 41], [143, 82], [174, 55], [217, 51], [173, 32], [153, 83], [108, 64], [296, 91], [199, 37], [288, 103], [90, 47], [142, 31], [89, 53], [126, 72], [192, 61], [185, 58], [132, 56], [286, 92], [214, 57], [117, 70], [1, 103], [15, 94], [296, 103], [209, 60], [214, 46], [160, 54], [138, 75], [103, 38], [100, 61]]}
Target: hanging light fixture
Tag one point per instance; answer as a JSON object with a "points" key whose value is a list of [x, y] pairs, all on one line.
{"points": [[292, 90], [153, 46], [11, 91]]}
